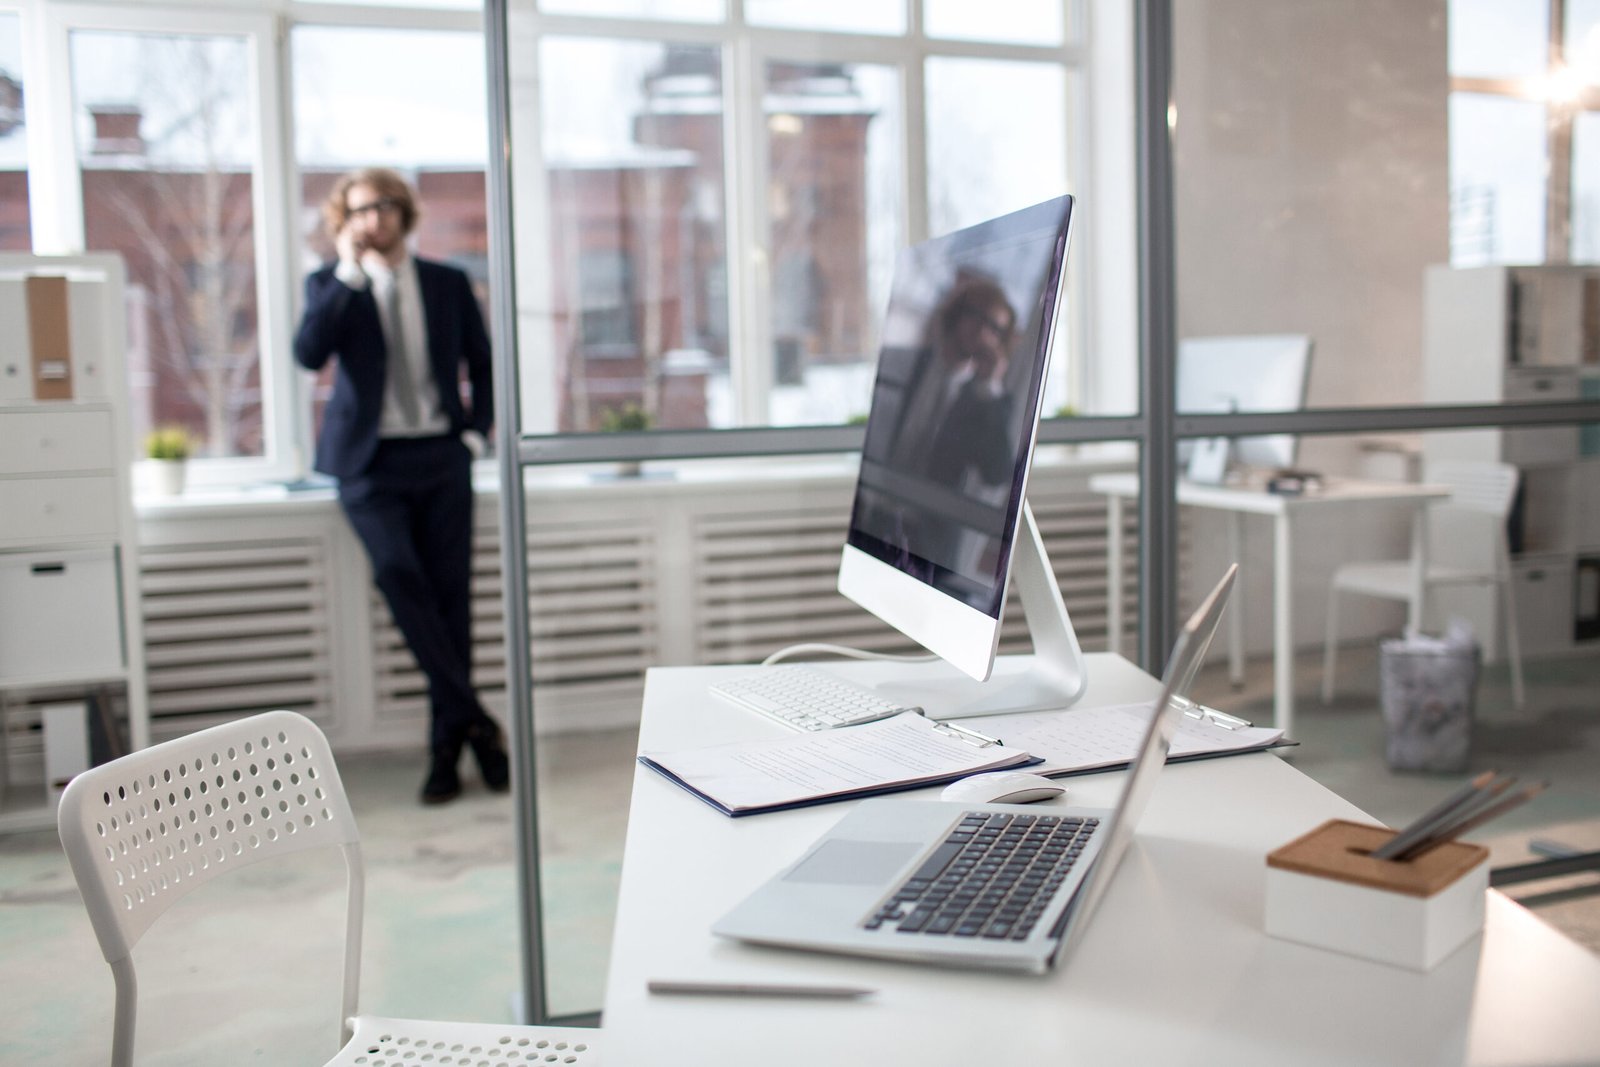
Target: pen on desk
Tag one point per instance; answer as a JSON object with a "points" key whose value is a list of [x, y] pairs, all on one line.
{"points": [[756, 989], [1472, 822], [1418, 828]]}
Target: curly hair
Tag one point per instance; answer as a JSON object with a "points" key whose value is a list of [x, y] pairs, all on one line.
{"points": [[390, 186]]}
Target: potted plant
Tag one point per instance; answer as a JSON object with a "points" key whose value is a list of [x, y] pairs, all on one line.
{"points": [[168, 449], [630, 418]]}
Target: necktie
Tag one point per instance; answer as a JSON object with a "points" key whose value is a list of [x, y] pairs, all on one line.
{"points": [[405, 386]]}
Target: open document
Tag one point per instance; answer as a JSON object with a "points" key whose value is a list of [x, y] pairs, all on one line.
{"points": [[1080, 740], [812, 768]]}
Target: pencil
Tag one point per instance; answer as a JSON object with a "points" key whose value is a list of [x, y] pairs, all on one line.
{"points": [[1417, 828], [1493, 811]]}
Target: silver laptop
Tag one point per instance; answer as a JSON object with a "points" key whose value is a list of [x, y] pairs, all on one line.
{"points": [[998, 886]]}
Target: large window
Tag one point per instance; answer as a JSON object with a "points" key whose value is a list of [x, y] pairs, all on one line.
{"points": [[709, 196], [13, 140], [1524, 176], [350, 111], [709, 238], [167, 146]]}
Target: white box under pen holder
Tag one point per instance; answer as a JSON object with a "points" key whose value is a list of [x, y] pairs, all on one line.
{"points": [[1325, 889]]}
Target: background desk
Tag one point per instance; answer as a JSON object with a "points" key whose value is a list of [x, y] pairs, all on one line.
{"points": [[1239, 501], [1175, 970]]}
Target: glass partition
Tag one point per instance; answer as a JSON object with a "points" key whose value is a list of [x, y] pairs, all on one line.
{"points": [[1393, 216]]}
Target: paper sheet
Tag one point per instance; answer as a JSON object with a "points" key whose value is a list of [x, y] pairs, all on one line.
{"points": [[784, 771], [1081, 739]]}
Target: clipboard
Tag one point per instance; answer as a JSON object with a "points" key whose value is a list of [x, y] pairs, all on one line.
{"points": [[906, 751], [1088, 740]]}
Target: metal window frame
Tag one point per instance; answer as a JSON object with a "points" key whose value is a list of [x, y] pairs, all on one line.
{"points": [[1156, 428]]}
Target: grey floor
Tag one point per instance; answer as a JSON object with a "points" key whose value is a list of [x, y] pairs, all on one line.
{"points": [[247, 970]]}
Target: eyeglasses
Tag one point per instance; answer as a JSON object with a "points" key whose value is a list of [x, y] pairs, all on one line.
{"points": [[385, 206], [1000, 325]]}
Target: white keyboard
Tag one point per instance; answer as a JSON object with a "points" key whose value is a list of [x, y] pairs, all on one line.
{"points": [[806, 699]]}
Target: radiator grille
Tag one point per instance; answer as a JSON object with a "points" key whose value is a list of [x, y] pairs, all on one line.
{"points": [[233, 629], [616, 585], [592, 624]]}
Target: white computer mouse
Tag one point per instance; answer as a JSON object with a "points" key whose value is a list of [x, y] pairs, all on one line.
{"points": [[1002, 787]]}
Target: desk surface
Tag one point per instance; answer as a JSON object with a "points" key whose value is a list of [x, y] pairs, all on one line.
{"points": [[1256, 499], [1175, 970]]}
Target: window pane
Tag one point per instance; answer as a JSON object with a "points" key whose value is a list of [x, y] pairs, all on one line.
{"points": [[833, 205], [997, 138], [14, 231], [1497, 168], [1019, 21], [1586, 188], [1499, 38], [166, 143], [674, 10], [838, 16], [638, 277], [350, 113], [1581, 39]]}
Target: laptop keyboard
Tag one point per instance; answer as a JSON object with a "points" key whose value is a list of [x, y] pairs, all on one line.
{"points": [[992, 877]]}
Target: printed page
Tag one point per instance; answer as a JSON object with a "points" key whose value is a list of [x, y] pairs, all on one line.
{"points": [[1081, 739], [829, 763]]}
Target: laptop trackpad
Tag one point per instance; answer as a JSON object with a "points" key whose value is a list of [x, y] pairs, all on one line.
{"points": [[854, 862]]}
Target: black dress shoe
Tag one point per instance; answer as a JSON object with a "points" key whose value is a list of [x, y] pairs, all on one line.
{"points": [[444, 782], [490, 751]]}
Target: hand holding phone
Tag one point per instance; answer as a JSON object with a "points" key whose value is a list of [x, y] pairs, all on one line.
{"points": [[350, 244]]}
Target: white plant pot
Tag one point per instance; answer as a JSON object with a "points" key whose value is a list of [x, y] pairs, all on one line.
{"points": [[167, 476]]}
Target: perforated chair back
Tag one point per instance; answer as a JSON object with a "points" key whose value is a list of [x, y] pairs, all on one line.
{"points": [[1480, 486], [143, 831]]}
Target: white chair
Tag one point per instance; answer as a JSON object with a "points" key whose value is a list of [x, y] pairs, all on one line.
{"points": [[143, 831], [1482, 490]]}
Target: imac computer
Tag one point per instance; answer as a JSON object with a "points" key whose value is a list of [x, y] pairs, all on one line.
{"points": [[1264, 372], [940, 524]]}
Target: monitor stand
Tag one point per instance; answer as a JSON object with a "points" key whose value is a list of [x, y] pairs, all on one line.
{"points": [[1053, 676]]}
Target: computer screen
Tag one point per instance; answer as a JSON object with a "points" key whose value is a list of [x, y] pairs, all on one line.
{"points": [[949, 438], [1265, 372]]}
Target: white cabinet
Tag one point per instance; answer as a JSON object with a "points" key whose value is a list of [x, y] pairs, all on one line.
{"points": [[1507, 335], [70, 618]]}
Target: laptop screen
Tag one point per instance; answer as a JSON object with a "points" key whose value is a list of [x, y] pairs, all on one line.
{"points": [[1188, 652]]}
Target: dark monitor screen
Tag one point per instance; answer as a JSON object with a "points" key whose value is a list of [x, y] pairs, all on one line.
{"points": [[954, 412]]}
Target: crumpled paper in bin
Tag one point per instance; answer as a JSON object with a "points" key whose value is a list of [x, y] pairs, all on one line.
{"points": [[1428, 688]]}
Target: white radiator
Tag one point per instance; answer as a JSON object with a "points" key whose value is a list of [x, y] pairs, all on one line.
{"points": [[236, 628], [620, 579]]}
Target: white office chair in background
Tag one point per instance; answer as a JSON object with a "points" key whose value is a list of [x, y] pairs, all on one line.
{"points": [[1481, 489], [143, 831]]}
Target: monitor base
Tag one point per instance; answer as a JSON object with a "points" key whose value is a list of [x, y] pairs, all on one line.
{"points": [[1053, 677], [1019, 683]]}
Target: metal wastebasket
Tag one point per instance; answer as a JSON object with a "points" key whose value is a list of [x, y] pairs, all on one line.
{"points": [[1428, 688]]}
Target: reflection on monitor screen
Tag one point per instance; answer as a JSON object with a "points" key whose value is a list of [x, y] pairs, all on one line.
{"points": [[952, 419], [949, 442]]}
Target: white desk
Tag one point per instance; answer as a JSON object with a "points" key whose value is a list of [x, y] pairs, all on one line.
{"points": [[1176, 969], [1239, 501]]}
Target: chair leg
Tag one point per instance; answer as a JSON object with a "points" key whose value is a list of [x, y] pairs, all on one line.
{"points": [[1513, 638], [1330, 644]]}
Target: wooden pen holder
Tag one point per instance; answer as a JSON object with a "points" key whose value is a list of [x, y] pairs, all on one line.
{"points": [[1325, 889]]}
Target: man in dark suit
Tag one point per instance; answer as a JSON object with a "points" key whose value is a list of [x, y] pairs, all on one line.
{"points": [[399, 438]]}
